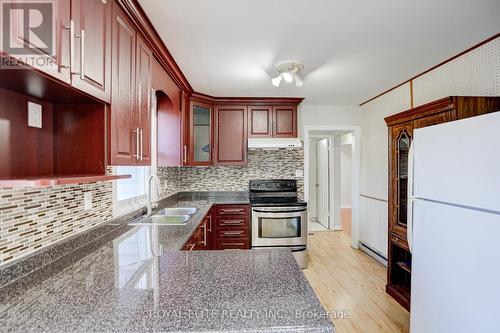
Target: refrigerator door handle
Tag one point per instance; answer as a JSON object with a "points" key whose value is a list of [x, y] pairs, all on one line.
{"points": [[409, 214]]}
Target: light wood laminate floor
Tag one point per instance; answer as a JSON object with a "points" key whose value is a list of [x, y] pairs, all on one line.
{"points": [[348, 280]]}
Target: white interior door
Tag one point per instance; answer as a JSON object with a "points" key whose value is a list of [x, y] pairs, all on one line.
{"points": [[323, 165]]}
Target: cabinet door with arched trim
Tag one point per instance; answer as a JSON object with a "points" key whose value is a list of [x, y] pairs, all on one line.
{"points": [[401, 137]]}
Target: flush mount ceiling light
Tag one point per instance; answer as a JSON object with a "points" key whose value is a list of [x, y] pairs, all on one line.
{"points": [[288, 71]]}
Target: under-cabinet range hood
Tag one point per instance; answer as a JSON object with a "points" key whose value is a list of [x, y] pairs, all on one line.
{"points": [[273, 143]]}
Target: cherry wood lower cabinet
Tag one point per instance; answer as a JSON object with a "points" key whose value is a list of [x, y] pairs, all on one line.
{"points": [[232, 227], [224, 227], [401, 129]]}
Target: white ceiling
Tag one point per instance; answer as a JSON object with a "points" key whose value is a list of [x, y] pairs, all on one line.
{"points": [[351, 49]]}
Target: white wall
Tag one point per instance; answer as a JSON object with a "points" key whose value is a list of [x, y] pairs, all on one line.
{"points": [[473, 74], [345, 176], [318, 115], [312, 206]]}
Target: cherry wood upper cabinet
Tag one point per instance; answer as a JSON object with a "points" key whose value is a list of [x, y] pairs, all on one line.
{"points": [[91, 64], [272, 121], [285, 122], [200, 134], [260, 121], [144, 65], [230, 135], [124, 127]]}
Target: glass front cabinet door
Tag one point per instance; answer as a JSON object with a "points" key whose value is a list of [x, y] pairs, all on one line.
{"points": [[401, 140], [201, 138]]}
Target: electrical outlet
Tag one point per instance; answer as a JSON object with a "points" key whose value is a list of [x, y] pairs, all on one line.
{"points": [[87, 201], [299, 173], [34, 115]]}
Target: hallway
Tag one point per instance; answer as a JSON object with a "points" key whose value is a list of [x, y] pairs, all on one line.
{"points": [[348, 280]]}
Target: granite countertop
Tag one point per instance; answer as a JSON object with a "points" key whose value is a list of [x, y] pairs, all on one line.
{"points": [[137, 281]]}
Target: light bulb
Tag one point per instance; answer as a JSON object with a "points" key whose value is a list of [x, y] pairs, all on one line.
{"points": [[276, 81], [298, 81], [287, 76]]}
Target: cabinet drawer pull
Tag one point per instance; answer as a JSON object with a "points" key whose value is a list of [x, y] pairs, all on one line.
{"points": [[240, 210], [237, 244], [232, 221], [71, 28], [185, 154], [232, 233], [192, 247]]}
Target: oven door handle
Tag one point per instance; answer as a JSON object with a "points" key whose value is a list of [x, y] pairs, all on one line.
{"points": [[270, 210]]}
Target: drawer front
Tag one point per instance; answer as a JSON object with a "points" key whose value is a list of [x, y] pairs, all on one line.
{"points": [[232, 233], [231, 221], [238, 210], [226, 244], [400, 241]]}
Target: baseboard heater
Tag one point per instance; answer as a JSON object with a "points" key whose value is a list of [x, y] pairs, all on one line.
{"points": [[373, 253]]}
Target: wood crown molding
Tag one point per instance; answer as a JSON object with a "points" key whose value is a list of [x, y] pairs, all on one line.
{"points": [[154, 41], [203, 98], [420, 111], [434, 67]]}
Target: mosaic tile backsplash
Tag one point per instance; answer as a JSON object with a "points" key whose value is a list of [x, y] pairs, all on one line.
{"points": [[35, 217], [262, 164]]}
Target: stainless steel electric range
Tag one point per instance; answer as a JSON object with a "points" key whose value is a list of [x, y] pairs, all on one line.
{"points": [[279, 218]]}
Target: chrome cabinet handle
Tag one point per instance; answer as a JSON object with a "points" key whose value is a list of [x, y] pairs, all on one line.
{"points": [[232, 221], [232, 232], [136, 131], [185, 154], [232, 210], [71, 44], [192, 247], [141, 146], [204, 234], [210, 224], [71, 28], [82, 54], [72, 48]]}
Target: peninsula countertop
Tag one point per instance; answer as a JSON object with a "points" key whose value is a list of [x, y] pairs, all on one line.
{"points": [[138, 282]]}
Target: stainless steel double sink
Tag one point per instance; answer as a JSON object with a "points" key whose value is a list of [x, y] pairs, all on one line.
{"points": [[169, 216]]}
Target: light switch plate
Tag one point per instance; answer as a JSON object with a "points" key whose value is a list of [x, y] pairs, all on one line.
{"points": [[34, 115], [87, 201], [299, 173]]}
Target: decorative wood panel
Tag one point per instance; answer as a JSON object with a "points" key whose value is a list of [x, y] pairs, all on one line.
{"points": [[169, 131], [26, 151], [79, 139]]}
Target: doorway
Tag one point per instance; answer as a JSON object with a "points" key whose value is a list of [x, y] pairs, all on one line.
{"points": [[346, 184], [332, 164]]}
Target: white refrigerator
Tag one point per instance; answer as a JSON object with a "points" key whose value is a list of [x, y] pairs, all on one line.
{"points": [[454, 226]]}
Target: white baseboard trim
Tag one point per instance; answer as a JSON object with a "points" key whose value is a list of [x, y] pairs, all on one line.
{"points": [[373, 253], [346, 206], [337, 227]]}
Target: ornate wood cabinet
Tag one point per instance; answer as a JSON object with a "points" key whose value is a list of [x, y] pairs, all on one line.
{"points": [[401, 128]]}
